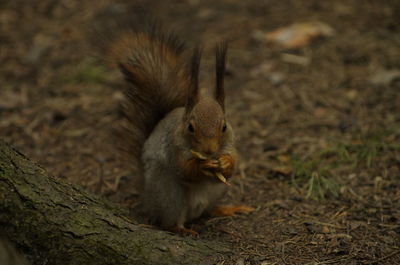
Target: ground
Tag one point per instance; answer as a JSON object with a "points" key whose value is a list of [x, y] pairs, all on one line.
{"points": [[318, 125]]}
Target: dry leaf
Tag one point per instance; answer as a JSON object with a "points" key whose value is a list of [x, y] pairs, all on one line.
{"points": [[299, 34]]}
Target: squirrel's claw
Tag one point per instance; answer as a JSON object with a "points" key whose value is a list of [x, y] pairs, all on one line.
{"points": [[226, 164]]}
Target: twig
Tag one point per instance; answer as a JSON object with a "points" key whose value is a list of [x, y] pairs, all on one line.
{"points": [[384, 257]]}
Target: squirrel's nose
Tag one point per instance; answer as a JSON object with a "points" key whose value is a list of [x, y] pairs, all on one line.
{"points": [[208, 152], [210, 147]]}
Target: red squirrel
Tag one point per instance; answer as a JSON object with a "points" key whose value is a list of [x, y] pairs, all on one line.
{"points": [[178, 133]]}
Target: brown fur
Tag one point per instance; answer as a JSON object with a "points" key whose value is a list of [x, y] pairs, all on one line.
{"points": [[204, 111], [220, 59], [157, 83], [192, 169], [162, 138]]}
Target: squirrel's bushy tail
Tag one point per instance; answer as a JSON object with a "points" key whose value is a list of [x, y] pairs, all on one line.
{"points": [[157, 83]]}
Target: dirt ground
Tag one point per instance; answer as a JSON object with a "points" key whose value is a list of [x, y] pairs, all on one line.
{"points": [[318, 126]]}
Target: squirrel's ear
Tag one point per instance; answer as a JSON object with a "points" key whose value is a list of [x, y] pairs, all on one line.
{"points": [[193, 93], [220, 58]]}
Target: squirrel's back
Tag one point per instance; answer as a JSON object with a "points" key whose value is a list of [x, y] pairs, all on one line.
{"points": [[157, 83]]}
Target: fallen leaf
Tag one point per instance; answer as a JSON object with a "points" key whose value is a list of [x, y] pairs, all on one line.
{"points": [[299, 34]]}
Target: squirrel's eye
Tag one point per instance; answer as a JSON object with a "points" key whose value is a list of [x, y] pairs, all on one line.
{"points": [[224, 128], [190, 128]]}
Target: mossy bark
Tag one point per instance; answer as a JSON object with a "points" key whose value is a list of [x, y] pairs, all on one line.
{"points": [[54, 222]]}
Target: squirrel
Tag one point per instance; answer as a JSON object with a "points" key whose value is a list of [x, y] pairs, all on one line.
{"points": [[178, 132]]}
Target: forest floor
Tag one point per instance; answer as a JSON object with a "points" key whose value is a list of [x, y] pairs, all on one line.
{"points": [[318, 124]]}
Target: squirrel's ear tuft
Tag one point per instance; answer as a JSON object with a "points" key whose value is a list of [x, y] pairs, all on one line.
{"points": [[220, 58], [193, 94]]}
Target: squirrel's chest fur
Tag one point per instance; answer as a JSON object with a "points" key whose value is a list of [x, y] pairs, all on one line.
{"points": [[203, 196], [168, 199]]}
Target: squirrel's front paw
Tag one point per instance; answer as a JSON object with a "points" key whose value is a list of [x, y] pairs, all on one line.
{"points": [[209, 166], [226, 165]]}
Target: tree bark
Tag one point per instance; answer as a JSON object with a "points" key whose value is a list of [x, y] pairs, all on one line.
{"points": [[54, 222]]}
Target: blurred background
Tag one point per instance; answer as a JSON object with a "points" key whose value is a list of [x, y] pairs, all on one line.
{"points": [[312, 92]]}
